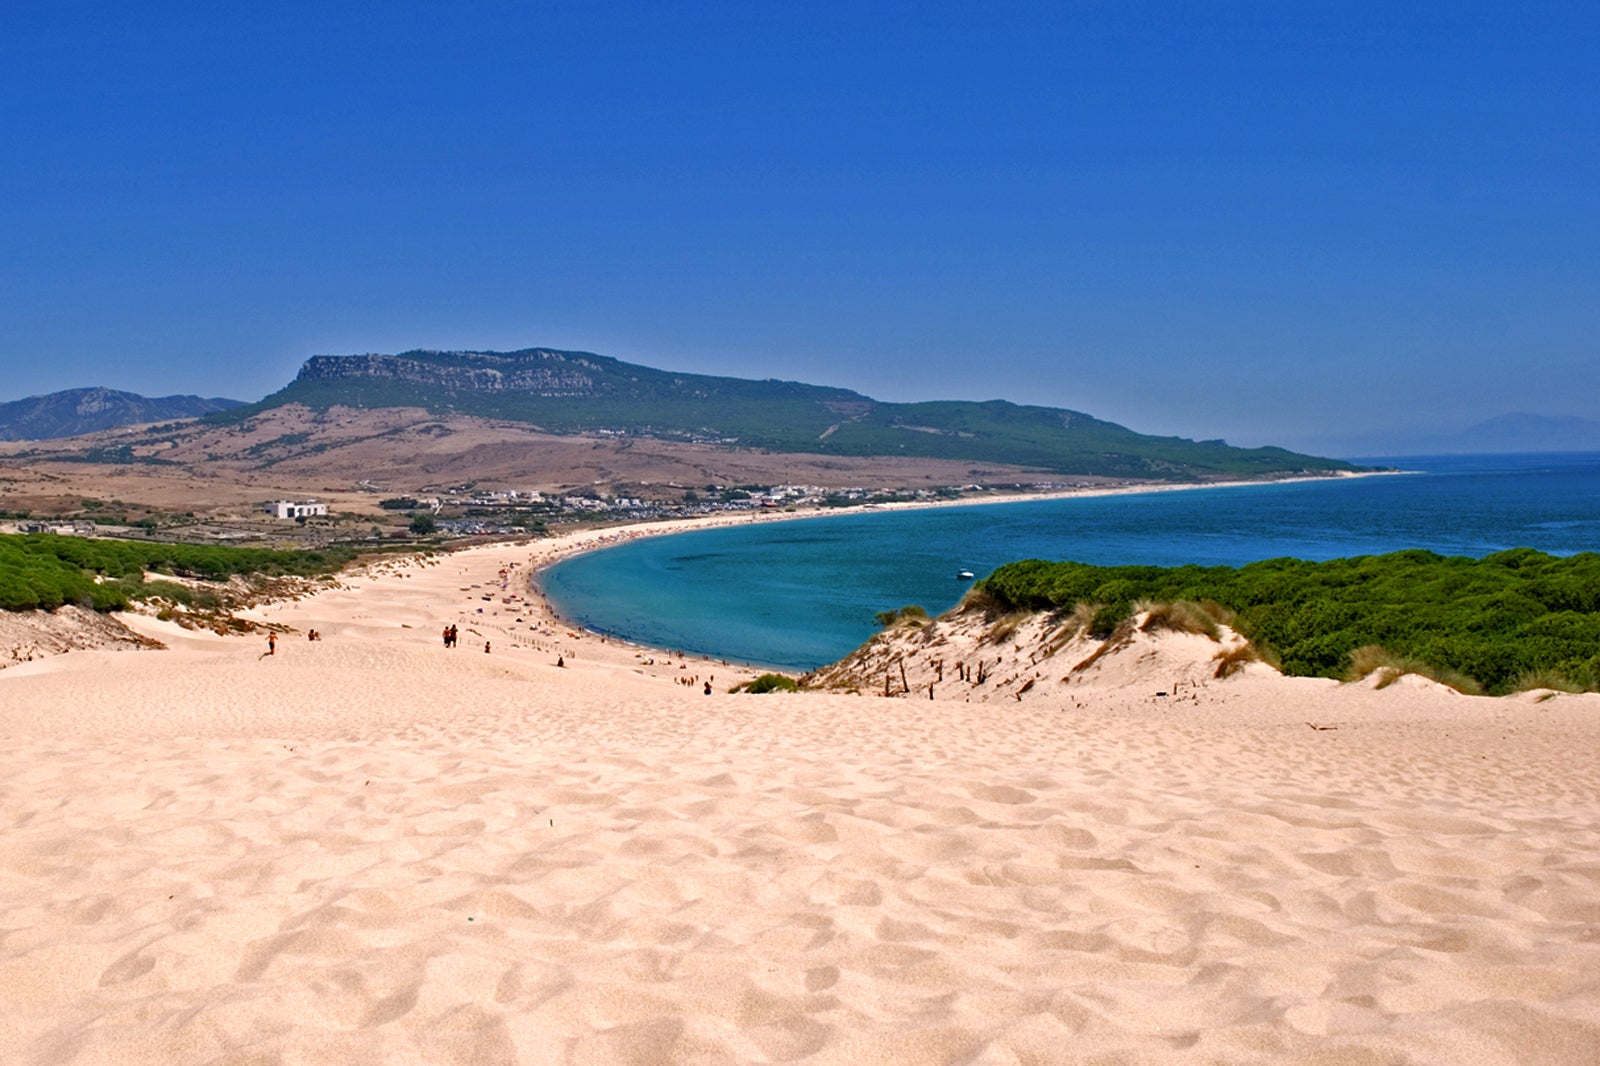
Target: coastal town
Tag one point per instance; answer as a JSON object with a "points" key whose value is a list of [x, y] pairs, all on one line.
{"points": [[470, 510]]}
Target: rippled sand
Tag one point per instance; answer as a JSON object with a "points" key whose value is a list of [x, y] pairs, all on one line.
{"points": [[370, 849]]}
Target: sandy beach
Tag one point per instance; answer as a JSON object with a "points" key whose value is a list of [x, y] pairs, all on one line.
{"points": [[373, 849]]}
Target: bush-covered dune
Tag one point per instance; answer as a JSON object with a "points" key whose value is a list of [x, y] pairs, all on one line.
{"points": [[1515, 619], [45, 570]]}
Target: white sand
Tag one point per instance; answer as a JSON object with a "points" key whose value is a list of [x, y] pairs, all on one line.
{"points": [[373, 850]]}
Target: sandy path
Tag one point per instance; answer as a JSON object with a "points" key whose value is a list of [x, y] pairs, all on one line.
{"points": [[369, 849]]}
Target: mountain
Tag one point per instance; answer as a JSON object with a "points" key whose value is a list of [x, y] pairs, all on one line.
{"points": [[1525, 433], [1504, 434], [579, 392], [75, 411]]}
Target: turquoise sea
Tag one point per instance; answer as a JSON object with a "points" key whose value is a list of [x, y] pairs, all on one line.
{"points": [[800, 594]]}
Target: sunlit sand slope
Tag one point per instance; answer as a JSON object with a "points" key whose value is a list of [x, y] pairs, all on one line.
{"points": [[371, 849]]}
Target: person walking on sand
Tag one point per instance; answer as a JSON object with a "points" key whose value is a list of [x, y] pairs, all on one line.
{"points": [[272, 643]]}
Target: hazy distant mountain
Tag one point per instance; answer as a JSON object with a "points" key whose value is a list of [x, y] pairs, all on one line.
{"points": [[578, 392], [1504, 434], [1527, 433], [74, 411]]}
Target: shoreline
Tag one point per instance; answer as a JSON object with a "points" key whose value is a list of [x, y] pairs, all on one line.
{"points": [[539, 554], [561, 547], [665, 527]]}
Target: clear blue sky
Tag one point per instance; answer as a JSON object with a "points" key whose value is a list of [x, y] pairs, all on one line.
{"points": [[1273, 222]]}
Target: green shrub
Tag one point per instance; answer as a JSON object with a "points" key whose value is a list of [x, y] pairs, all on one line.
{"points": [[1106, 618], [44, 570], [769, 683], [168, 590], [909, 613]]}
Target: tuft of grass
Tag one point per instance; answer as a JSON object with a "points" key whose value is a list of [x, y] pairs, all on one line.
{"points": [[981, 600], [1180, 616], [910, 614], [1081, 617], [1004, 627], [1065, 632], [1371, 658], [1554, 681], [768, 683], [1120, 636], [1232, 660]]}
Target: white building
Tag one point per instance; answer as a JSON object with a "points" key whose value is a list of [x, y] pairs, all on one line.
{"points": [[292, 509]]}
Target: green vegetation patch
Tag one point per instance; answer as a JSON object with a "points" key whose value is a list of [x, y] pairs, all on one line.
{"points": [[45, 570], [768, 683], [911, 614], [1506, 621]]}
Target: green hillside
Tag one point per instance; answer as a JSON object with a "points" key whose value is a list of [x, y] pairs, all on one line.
{"points": [[577, 392]]}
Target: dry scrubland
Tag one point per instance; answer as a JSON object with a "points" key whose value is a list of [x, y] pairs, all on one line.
{"points": [[292, 451], [371, 849]]}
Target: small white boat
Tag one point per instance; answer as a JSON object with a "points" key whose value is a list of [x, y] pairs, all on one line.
{"points": [[965, 575]]}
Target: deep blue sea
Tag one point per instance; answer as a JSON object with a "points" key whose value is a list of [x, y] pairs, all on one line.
{"points": [[800, 594]]}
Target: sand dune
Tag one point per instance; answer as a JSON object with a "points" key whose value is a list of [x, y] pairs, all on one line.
{"points": [[372, 849]]}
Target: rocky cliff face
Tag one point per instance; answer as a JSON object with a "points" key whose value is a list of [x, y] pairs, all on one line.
{"points": [[538, 372], [75, 411]]}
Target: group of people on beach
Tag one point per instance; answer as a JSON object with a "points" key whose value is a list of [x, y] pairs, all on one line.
{"points": [[691, 682]]}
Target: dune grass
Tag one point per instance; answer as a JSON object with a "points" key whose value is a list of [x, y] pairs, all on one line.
{"points": [[1180, 616], [1389, 668], [768, 683]]}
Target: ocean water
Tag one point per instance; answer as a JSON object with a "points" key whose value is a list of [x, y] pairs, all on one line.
{"points": [[799, 594]]}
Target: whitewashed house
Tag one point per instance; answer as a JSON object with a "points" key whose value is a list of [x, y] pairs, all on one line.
{"points": [[293, 509]]}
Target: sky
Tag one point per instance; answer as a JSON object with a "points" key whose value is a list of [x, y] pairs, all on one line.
{"points": [[1283, 223]]}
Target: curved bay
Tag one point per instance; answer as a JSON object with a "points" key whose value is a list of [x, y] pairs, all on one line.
{"points": [[800, 594]]}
